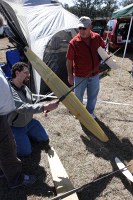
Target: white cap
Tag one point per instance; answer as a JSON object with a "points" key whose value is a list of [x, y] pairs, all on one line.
{"points": [[84, 22]]}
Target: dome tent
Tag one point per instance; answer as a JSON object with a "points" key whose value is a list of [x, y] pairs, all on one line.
{"points": [[46, 27]]}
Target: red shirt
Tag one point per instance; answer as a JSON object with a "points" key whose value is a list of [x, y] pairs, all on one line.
{"points": [[83, 53]]}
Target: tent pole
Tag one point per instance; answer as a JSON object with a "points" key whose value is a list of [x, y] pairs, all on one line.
{"points": [[125, 48]]}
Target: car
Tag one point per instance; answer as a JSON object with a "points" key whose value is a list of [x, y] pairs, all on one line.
{"points": [[99, 25], [116, 31]]}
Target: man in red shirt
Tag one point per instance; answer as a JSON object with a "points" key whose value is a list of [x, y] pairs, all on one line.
{"points": [[83, 63]]}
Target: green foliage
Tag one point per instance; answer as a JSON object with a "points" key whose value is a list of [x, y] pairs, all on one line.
{"points": [[126, 2], [94, 8]]}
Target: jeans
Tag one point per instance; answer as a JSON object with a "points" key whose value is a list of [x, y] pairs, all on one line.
{"points": [[33, 130], [91, 84]]}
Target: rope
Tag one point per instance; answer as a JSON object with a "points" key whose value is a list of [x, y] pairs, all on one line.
{"points": [[111, 102]]}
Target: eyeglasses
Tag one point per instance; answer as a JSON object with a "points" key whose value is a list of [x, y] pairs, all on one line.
{"points": [[82, 28]]}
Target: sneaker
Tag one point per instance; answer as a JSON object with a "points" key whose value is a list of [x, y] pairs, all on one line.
{"points": [[2, 175], [47, 147], [93, 115], [44, 145], [27, 181]]}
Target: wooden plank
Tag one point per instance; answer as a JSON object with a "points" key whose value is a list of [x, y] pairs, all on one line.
{"points": [[71, 101], [60, 177]]}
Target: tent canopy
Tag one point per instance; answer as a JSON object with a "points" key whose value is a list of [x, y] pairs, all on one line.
{"points": [[42, 25], [38, 20], [123, 12]]}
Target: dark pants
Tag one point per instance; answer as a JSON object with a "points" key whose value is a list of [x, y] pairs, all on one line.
{"points": [[9, 163]]}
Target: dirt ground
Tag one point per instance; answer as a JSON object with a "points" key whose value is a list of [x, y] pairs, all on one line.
{"points": [[84, 157]]}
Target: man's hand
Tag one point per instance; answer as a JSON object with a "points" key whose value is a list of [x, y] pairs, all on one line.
{"points": [[71, 80], [49, 107]]}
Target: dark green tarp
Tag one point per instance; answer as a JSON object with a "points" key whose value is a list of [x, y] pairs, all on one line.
{"points": [[123, 12]]}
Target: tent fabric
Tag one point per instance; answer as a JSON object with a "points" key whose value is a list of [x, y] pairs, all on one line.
{"points": [[13, 22], [123, 12], [36, 22], [46, 20]]}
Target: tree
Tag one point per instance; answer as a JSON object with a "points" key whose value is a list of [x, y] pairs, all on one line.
{"points": [[108, 7], [93, 8], [66, 6], [126, 2]]}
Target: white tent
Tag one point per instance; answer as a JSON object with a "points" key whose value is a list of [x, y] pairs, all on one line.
{"points": [[39, 21]]}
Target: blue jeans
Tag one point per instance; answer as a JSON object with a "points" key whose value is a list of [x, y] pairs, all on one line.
{"points": [[91, 84], [33, 130]]}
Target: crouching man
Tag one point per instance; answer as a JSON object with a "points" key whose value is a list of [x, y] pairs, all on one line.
{"points": [[23, 125]]}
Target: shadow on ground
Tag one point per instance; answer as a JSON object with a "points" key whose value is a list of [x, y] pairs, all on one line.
{"points": [[113, 148], [30, 166], [127, 55]]}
